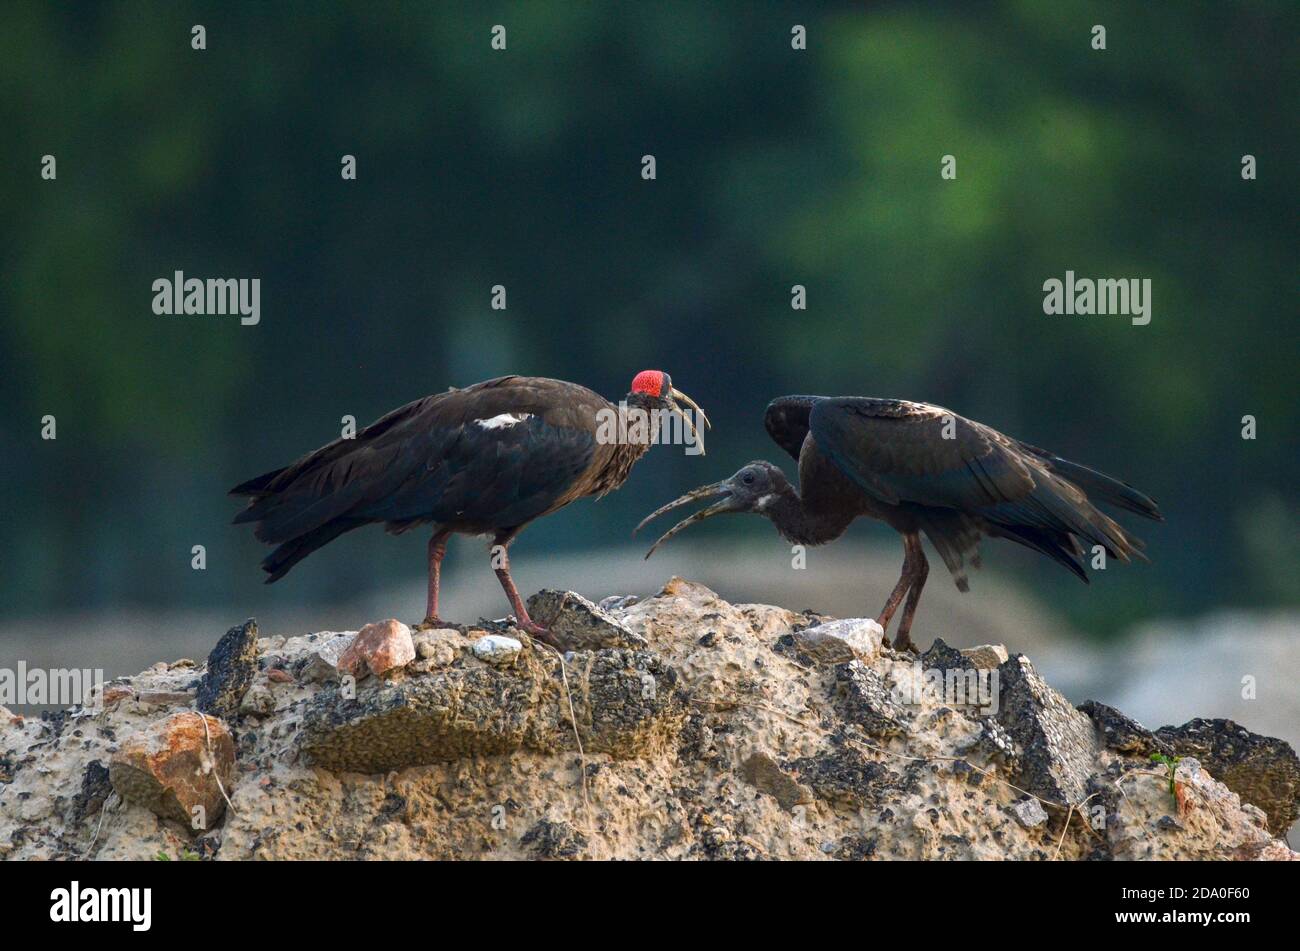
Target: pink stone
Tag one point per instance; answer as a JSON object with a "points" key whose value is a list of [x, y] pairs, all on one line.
{"points": [[177, 767], [116, 694], [377, 649]]}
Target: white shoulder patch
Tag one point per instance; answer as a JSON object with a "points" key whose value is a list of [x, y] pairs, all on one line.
{"points": [[503, 420]]}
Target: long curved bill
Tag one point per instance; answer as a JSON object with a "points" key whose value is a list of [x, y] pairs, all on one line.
{"points": [[677, 396], [718, 490]]}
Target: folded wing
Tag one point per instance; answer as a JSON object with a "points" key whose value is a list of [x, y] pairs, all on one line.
{"points": [[489, 457], [962, 478]]}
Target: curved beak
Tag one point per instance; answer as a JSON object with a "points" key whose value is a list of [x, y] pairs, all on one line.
{"points": [[677, 397], [718, 490]]}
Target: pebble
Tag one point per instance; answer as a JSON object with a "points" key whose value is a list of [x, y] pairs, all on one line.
{"points": [[496, 649]]}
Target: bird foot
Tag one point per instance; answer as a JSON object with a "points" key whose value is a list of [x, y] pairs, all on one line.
{"points": [[541, 633], [430, 623], [903, 642]]}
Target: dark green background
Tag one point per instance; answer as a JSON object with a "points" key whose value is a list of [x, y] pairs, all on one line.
{"points": [[522, 168]]}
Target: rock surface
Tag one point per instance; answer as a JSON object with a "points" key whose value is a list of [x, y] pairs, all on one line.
{"points": [[623, 703], [231, 667], [322, 664], [1058, 743], [1122, 734], [837, 642], [704, 733], [1262, 769], [1203, 819], [176, 767], [765, 774], [578, 624]]}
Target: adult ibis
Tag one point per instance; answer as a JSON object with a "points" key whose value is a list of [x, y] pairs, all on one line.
{"points": [[483, 460], [921, 469]]}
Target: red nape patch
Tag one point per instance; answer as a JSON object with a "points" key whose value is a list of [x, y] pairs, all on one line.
{"points": [[650, 382]]}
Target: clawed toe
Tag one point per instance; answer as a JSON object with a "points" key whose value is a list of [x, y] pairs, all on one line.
{"points": [[538, 631]]}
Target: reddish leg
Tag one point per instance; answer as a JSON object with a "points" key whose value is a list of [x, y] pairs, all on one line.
{"points": [[920, 571], [915, 570], [895, 599], [437, 549], [501, 565]]}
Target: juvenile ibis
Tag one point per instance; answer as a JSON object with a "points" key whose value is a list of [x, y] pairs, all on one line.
{"points": [[921, 469], [483, 460]]}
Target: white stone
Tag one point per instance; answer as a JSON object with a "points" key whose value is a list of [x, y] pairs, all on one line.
{"points": [[860, 635], [1029, 813], [324, 662], [986, 656], [497, 649]]}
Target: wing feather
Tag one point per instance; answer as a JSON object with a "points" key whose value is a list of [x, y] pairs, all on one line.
{"points": [[491, 456], [786, 421], [922, 455]]}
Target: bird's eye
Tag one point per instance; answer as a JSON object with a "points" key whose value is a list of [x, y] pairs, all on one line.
{"points": [[747, 478]]}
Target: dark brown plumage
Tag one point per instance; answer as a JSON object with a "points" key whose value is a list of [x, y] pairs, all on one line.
{"points": [[922, 469], [484, 460]]}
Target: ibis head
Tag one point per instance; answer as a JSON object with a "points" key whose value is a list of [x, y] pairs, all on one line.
{"points": [[654, 390], [754, 488]]}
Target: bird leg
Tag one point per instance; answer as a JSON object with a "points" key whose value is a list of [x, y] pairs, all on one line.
{"points": [[437, 549], [501, 565], [920, 571], [895, 598], [915, 570]]}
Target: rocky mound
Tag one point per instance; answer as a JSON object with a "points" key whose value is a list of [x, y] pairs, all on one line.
{"points": [[680, 726]]}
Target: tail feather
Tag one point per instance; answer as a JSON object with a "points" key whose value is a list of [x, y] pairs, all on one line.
{"points": [[1062, 548], [1056, 506], [956, 538], [291, 514], [1099, 486], [257, 485], [279, 562], [1080, 517]]}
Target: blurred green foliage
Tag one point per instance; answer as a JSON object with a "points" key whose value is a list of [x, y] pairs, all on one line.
{"points": [[522, 168]]}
